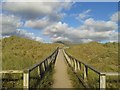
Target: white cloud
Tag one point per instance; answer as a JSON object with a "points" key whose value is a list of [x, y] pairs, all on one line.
{"points": [[57, 28], [38, 24], [60, 39], [33, 10], [115, 17], [62, 31], [9, 24], [99, 26], [25, 34], [47, 16], [83, 15]]}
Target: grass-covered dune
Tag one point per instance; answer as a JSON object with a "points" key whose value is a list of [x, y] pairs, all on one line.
{"points": [[103, 57], [20, 53]]}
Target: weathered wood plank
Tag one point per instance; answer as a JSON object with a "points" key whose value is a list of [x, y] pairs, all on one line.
{"points": [[85, 74], [11, 71], [102, 75], [37, 64], [102, 79], [78, 66], [90, 67], [39, 71], [26, 80], [75, 65], [111, 73]]}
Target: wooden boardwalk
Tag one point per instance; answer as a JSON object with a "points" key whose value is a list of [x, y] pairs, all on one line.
{"points": [[61, 77]]}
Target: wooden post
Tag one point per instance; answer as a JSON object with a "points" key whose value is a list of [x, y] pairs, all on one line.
{"points": [[47, 63], [26, 80], [102, 79], [39, 70], [45, 67], [68, 59], [55, 56], [72, 63], [52, 58], [78, 65], [85, 72], [75, 65], [49, 60]]}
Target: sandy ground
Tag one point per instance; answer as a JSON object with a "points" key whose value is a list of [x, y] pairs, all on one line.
{"points": [[61, 77]]}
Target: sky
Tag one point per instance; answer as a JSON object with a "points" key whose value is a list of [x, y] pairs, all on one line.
{"points": [[78, 22]]}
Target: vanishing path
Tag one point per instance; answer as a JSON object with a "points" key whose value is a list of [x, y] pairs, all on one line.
{"points": [[61, 77]]}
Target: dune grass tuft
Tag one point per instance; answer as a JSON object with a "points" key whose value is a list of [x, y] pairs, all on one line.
{"points": [[103, 57]]}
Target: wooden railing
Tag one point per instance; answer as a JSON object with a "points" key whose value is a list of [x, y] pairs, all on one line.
{"points": [[42, 67], [76, 66]]}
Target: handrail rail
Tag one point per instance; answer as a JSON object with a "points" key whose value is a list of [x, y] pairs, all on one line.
{"points": [[35, 65], [111, 73], [97, 71], [42, 67], [92, 68], [11, 71], [76, 65]]}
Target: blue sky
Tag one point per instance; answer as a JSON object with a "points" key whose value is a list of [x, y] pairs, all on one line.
{"points": [[76, 22], [99, 11]]}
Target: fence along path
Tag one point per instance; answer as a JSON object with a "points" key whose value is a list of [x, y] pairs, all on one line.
{"points": [[77, 65], [42, 67], [61, 77]]}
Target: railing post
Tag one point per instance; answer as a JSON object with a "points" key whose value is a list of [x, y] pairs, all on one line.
{"points": [[52, 58], [102, 79], [78, 65], [75, 65], [72, 63], [55, 56], [85, 72], [69, 61], [26, 80], [39, 70], [45, 67], [48, 61]]}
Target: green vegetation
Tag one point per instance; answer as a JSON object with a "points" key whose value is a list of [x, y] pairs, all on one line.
{"points": [[20, 53], [103, 57], [47, 80], [97, 55], [75, 81]]}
